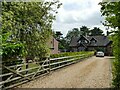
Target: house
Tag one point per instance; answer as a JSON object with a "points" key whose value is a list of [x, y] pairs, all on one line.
{"points": [[91, 43], [53, 45]]}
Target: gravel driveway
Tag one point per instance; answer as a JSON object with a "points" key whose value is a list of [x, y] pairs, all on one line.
{"points": [[93, 72]]}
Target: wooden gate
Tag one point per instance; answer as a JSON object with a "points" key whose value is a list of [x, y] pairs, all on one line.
{"points": [[17, 73]]}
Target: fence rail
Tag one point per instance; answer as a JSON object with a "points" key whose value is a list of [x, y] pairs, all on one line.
{"points": [[18, 74]]}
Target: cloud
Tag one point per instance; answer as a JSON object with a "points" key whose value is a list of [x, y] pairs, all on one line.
{"points": [[76, 5], [75, 13], [94, 19]]}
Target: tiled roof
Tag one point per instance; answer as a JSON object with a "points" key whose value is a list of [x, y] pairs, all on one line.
{"points": [[74, 41], [100, 41]]}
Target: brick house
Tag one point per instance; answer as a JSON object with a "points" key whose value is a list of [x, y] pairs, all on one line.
{"points": [[91, 43], [53, 44]]}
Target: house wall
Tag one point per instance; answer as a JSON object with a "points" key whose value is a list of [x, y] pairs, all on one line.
{"points": [[97, 48], [53, 45], [91, 48], [81, 48], [74, 49], [107, 50], [54, 50]]}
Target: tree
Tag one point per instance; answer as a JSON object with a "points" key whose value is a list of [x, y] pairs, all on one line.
{"points": [[96, 31], [57, 35], [112, 12], [84, 30], [75, 32], [28, 24], [63, 45]]}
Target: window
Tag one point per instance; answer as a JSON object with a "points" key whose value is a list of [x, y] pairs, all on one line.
{"points": [[52, 44], [86, 41], [83, 41], [93, 41]]}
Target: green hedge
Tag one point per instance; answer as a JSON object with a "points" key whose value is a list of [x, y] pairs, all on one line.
{"points": [[87, 53]]}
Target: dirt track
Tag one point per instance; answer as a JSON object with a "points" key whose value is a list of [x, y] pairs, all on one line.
{"points": [[91, 73]]}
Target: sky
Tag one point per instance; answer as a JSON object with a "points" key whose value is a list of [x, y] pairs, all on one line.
{"points": [[77, 13]]}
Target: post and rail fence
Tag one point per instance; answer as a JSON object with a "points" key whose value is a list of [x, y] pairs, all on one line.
{"points": [[18, 74]]}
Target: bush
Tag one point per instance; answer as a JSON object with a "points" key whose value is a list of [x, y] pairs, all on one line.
{"points": [[116, 62], [11, 52], [71, 54]]}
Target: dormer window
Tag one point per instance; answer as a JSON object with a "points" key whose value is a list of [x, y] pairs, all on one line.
{"points": [[93, 41], [86, 41], [83, 41]]}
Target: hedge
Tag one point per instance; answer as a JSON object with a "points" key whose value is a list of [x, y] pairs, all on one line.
{"points": [[87, 53]]}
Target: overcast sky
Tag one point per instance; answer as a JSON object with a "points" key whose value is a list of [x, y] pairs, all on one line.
{"points": [[76, 13]]}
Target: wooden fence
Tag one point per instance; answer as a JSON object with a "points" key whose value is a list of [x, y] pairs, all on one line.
{"points": [[18, 74]]}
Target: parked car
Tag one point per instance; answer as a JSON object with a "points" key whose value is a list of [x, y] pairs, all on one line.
{"points": [[100, 54]]}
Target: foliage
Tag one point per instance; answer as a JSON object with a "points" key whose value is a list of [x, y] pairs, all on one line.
{"points": [[11, 50], [70, 54], [75, 32], [85, 30], [96, 31], [63, 44], [100, 49], [112, 12], [27, 24], [62, 41], [57, 35]]}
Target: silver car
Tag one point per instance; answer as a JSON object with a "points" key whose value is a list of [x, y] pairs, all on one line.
{"points": [[100, 54]]}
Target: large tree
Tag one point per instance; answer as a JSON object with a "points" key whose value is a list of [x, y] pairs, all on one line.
{"points": [[63, 44], [95, 31], [75, 32], [111, 11], [84, 30], [28, 24]]}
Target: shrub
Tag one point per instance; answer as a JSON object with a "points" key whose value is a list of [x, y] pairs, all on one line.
{"points": [[11, 52], [71, 54]]}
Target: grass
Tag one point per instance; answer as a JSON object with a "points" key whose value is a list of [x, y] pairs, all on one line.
{"points": [[32, 65]]}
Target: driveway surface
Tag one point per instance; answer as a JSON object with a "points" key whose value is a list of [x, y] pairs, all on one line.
{"points": [[94, 72]]}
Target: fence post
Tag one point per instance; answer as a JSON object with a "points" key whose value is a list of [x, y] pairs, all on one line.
{"points": [[49, 63]]}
